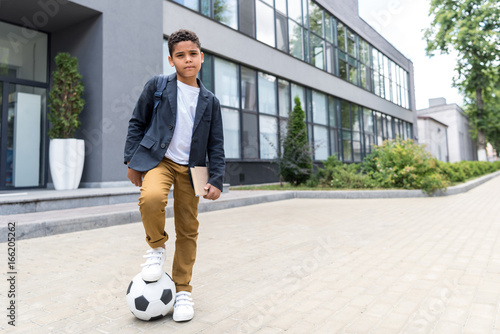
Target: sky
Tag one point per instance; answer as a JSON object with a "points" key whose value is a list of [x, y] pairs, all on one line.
{"points": [[401, 22]]}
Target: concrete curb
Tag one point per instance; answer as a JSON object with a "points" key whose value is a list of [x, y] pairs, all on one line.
{"points": [[80, 219]]}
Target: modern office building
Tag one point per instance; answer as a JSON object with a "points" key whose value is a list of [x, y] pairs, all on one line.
{"points": [[460, 145], [356, 88]]}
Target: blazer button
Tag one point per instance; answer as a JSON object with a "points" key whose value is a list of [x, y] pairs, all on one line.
{"points": [[163, 145], [171, 127]]}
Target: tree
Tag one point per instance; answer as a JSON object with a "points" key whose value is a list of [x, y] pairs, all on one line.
{"points": [[65, 97], [472, 28], [296, 161]]}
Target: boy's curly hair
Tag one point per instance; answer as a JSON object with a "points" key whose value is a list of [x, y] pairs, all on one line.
{"points": [[182, 35]]}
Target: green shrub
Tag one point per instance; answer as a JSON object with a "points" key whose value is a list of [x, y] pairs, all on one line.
{"points": [[404, 164], [335, 174]]}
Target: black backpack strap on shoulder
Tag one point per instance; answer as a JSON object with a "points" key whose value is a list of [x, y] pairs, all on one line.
{"points": [[160, 87]]}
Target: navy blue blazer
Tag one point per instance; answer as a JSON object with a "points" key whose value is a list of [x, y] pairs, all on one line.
{"points": [[144, 149]]}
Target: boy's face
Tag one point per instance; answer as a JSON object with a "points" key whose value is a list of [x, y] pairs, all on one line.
{"points": [[187, 59]]}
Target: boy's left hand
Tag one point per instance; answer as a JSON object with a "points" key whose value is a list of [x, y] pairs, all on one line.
{"points": [[213, 192]]}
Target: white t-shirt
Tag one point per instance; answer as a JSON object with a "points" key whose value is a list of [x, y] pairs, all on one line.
{"points": [[180, 146]]}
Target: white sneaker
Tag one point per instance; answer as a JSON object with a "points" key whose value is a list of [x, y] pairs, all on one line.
{"points": [[153, 268], [183, 307]]}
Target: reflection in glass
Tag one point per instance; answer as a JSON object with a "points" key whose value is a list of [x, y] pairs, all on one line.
{"points": [[280, 6], [355, 117], [21, 57], [225, 12], [341, 35], [192, 4], [267, 94], [248, 89], [295, 10], [353, 74], [299, 91], [281, 33], [26, 110], [368, 120], [247, 17], [231, 121], [334, 143], [315, 18], [346, 145], [226, 82], [320, 142], [329, 58], [265, 23], [250, 136], [205, 8], [357, 150], [319, 108], [351, 44], [332, 111], [328, 27], [284, 98], [345, 115], [268, 137], [206, 72], [295, 33], [317, 52]]}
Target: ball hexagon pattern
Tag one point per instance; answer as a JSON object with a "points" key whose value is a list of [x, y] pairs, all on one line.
{"points": [[150, 300]]}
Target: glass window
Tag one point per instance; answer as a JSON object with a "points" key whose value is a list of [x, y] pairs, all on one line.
{"points": [[320, 142], [206, 72], [192, 4], [328, 27], [267, 94], [320, 114], [25, 139], [250, 136], [316, 18], [281, 6], [299, 91], [268, 137], [247, 17], [281, 33], [248, 89], [334, 143], [364, 51], [332, 111], [295, 10], [368, 120], [356, 126], [356, 148], [231, 120], [284, 97], [341, 36], [205, 8], [296, 39], [390, 133], [226, 82], [353, 74], [317, 52], [225, 12], [20, 57], [342, 69], [265, 23], [351, 43], [380, 132], [345, 114], [346, 145], [329, 60]]}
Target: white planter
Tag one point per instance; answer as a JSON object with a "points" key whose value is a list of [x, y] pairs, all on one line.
{"points": [[66, 158]]}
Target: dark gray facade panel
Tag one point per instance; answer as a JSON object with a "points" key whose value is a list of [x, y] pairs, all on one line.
{"points": [[231, 44], [131, 53], [84, 40]]}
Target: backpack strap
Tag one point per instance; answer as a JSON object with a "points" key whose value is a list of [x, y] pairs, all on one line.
{"points": [[160, 87]]}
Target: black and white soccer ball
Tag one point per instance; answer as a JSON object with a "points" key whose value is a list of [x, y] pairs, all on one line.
{"points": [[151, 300]]}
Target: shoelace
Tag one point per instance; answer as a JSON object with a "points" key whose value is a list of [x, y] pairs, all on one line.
{"points": [[153, 257], [183, 299]]}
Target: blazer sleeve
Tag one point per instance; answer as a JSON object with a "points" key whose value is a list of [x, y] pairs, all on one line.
{"points": [[215, 148], [140, 119]]}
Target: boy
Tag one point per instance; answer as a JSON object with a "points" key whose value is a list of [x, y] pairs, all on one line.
{"points": [[160, 148]]}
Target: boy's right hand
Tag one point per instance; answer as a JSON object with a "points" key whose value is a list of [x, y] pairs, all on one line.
{"points": [[135, 177]]}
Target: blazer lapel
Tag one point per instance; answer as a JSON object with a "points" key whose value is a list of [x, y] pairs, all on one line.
{"points": [[171, 91], [201, 106]]}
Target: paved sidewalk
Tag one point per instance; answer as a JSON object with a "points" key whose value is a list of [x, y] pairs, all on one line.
{"points": [[408, 265]]}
